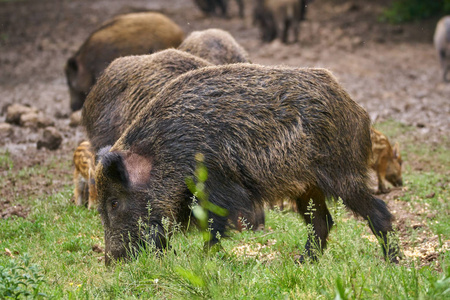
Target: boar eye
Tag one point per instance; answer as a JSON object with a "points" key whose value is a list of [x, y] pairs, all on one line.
{"points": [[114, 204]]}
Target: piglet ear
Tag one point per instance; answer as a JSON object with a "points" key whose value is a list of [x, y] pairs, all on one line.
{"points": [[114, 167], [138, 168]]}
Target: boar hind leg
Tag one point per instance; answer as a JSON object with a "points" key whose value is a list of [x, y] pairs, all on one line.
{"points": [[319, 217], [376, 213]]}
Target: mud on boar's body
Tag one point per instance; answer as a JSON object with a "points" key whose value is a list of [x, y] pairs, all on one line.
{"points": [[386, 161], [216, 46], [126, 87], [442, 45], [136, 33], [265, 133]]}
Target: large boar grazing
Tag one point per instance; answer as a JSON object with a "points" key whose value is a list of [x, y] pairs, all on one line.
{"points": [[216, 46], [137, 33], [265, 133], [386, 161], [218, 7], [126, 87], [442, 44], [275, 18]]}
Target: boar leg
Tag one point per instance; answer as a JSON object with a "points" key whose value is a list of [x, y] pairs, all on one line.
{"points": [[81, 189], [285, 34], [233, 199], [381, 175], [320, 219], [375, 211]]}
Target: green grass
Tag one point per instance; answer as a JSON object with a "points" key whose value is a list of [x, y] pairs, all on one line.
{"points": [[400, 11], [58, 238], [53, 255]]}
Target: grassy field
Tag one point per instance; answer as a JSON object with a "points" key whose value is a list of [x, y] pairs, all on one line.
{"points": [[50, 253]]}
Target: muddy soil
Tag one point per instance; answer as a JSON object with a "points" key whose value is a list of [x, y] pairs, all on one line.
{"points": [[391, 70]]}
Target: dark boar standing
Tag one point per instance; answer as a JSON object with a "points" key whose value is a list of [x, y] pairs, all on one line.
{"points": [[276, 18], [218, 7], [126, 87], [137, 33], [216, 46], [442, 45], [265, 133]]}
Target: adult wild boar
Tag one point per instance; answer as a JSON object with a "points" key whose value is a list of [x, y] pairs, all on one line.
{"points": [[126, 87], [442, 44], [265, 133], [136, 33], [276, 18], [218, 7], [216, 46]]}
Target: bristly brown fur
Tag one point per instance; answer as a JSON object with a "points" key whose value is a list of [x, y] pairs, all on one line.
{"points": [[216, 46], [265, 132], [126, 87]]}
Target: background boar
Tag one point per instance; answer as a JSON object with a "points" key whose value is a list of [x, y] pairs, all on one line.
{"points": [[216, 46], [442, 44], [386, 161], [275, 18], [137, 33], [126, 87], [83, 175], [265, 133], [219, 7]]}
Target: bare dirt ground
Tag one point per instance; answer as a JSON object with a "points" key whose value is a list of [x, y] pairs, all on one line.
{"points": [[391, 70]]}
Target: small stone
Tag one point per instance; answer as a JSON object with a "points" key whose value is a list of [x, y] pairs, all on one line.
{"points": [[29, 119], [430, 195], [51, 139], [75, 119], [96, 248], [5, 130], [35, 120], [15, 111]]}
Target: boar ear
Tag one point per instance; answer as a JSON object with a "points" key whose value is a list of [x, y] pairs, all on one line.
{"points": [[396, 151], [138, 167], [114, 167]]}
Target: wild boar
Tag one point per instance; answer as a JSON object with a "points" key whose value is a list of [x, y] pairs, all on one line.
{"points": [[442, 45], [83, 175], [265, 133], [386, 161], [126, 87], [136, 33]]}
